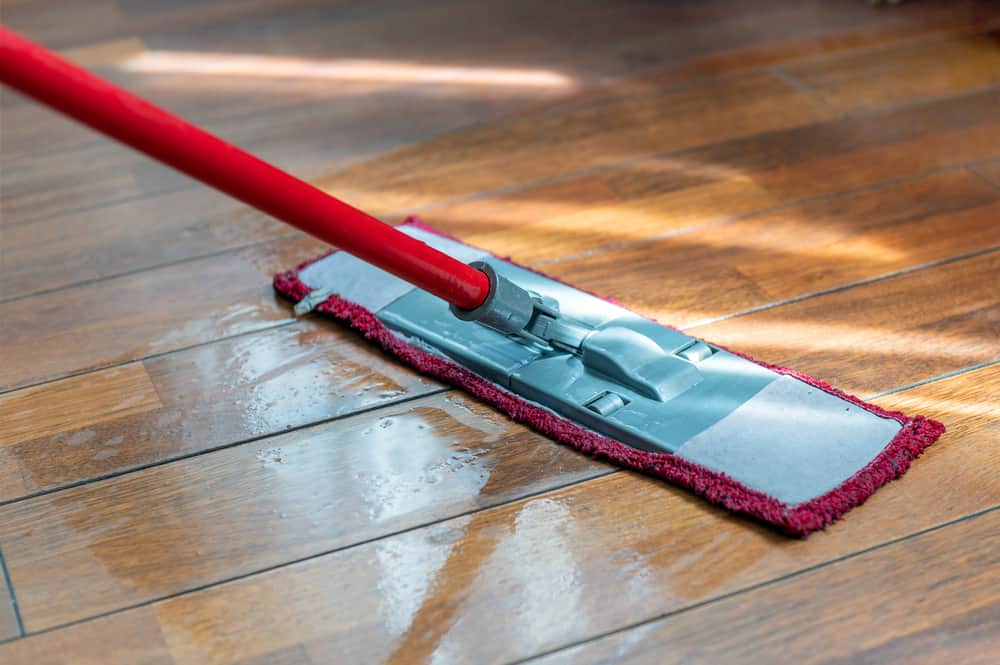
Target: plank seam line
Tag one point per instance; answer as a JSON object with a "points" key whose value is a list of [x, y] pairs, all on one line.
{"points": [[521, 498], [303, 559], [11, 596], [197, 453], [974, 170], [151, 268], [281, 323], [666, 616], [844, 287], [934, 379], [98, 206], [794, 83]]}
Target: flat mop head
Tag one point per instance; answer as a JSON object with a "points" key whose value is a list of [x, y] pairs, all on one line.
{"points": [[758, 439]]}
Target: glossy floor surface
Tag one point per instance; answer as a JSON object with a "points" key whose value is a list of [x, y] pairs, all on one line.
{"points": [[188, 474]]}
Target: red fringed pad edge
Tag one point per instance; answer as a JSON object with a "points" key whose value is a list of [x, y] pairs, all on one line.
{"points": [[801, 519]]}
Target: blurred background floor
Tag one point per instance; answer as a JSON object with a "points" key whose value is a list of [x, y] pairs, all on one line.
{"points": [[190, 475]]}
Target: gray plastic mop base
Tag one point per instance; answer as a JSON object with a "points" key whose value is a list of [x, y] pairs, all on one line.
{"points": [[771, 432]]}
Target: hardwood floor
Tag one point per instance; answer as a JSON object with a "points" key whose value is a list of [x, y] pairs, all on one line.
{"points": [[189, 474]]}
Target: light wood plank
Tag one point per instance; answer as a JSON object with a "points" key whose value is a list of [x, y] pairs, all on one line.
{"points": [[126, 318], [903, 73], [930, 599], [541, 573], [211, 396], [881, 335], [751, 262], [110, 544], [670, 193], [133, 638], [54, 408]]}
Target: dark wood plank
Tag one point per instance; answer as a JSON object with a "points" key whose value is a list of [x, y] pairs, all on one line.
{"points": [[273, 501], [903, 73], [669, 193], [536, 574], [751, 262], [130, 317], [108, 421], [934, 598]]}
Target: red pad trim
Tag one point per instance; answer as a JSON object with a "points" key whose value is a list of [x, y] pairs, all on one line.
{"points": [[801, 519]]}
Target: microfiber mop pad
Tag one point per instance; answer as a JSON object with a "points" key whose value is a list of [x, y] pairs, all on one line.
{"points": [[745, 462]]}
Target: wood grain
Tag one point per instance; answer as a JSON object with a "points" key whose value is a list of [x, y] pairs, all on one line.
{"points": [[938, 601], [705, 185], [130, 317], [726, 268], [556, 568], [107, 395], [116, 543], [904, 72], [210, 396]]}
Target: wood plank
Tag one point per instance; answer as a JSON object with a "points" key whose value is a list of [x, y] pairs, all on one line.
{"points": [[930, 599], [903, 73], [273, 501], [771, 257], [55, 334], [528, 147], [93, 244], [209, 396], [553, 569], [134, 638], [881, 335], [670, 193], [49, 409]]}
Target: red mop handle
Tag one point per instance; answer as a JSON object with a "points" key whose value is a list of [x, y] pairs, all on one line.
{"points": [[41, 74]]}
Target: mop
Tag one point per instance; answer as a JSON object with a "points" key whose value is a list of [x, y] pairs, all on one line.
{"points": [[764, 441]]}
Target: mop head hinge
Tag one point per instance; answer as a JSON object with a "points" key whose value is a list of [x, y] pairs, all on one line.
{"points": [[626, 356]]}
